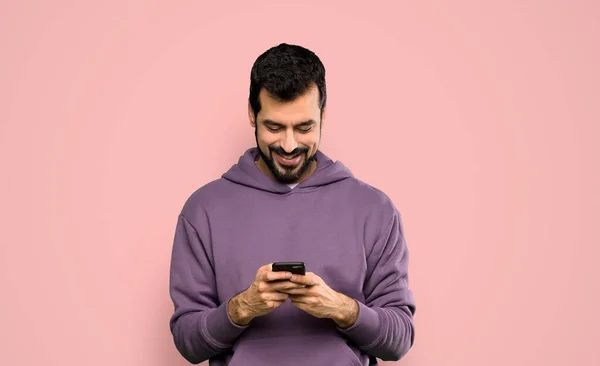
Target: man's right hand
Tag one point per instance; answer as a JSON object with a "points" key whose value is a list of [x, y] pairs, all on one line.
{"points": [[262, 296]]}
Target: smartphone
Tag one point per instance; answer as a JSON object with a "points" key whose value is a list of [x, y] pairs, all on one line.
{"points": [[293, 267]]}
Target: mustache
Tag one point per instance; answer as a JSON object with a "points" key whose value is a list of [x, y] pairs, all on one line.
{"points": [[279, 151]]}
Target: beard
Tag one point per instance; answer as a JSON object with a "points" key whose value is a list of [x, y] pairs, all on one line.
{"points": [[284, 174]]}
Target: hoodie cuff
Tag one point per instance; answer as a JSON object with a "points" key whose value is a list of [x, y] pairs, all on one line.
{"points": [[365, 331], [221, 330]]}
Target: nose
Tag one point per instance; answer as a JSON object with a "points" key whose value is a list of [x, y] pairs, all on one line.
{"points": [[289, 142]]}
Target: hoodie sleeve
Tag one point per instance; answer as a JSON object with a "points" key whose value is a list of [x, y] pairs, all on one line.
{"points": [[384, 327], [201, 327]]}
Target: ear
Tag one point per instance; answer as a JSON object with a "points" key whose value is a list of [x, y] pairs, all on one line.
{"points": [[251, 117], [323, 115]]}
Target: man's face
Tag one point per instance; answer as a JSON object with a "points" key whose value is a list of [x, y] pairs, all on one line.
{"points": [[288, 134]]}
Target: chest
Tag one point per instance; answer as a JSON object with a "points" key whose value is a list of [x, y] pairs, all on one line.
{"points": [[327, 236]]}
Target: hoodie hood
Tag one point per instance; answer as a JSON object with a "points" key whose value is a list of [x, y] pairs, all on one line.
{"points": [[246, 173]]}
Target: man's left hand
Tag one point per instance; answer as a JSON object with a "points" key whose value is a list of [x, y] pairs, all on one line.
{"points": [[321, 301]]}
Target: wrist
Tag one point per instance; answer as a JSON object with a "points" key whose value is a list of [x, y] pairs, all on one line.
{"points": [[348, 313], [237, 312]]}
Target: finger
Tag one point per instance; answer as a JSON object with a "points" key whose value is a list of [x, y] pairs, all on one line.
{"points": [[266, 268], [299, 299], [309, 279], [276, 276], [274, 296], [274, 304], [296, 291], [285, 285]]}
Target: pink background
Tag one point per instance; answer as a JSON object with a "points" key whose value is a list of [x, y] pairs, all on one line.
{"points": [[480, 121]]}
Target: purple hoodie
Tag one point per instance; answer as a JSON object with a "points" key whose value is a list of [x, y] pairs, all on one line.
{"points": [[347, 232]]}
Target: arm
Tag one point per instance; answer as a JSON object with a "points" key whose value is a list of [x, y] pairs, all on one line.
{"points": [[201, 327], [383, 325]]}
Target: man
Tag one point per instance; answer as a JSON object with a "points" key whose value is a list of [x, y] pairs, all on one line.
{"points": [[285, 200]]}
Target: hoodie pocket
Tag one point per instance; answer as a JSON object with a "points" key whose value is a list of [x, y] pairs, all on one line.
{"points": [[330, 350]]}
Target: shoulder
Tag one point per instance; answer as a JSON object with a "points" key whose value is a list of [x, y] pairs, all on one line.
{"points": [[377, 212], [371, 198], [205, 198], [380, 217]]}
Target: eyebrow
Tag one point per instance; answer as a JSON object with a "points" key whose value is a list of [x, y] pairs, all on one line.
{"points": [[301, 124]]}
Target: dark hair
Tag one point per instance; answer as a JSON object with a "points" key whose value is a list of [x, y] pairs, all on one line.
{"points": [[286, 72]]}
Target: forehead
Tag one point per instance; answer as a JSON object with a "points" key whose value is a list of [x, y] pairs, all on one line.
{"points": [[302, 108]]}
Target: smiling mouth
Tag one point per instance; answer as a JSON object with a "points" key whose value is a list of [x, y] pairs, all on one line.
{"points": [[291, 161]]}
